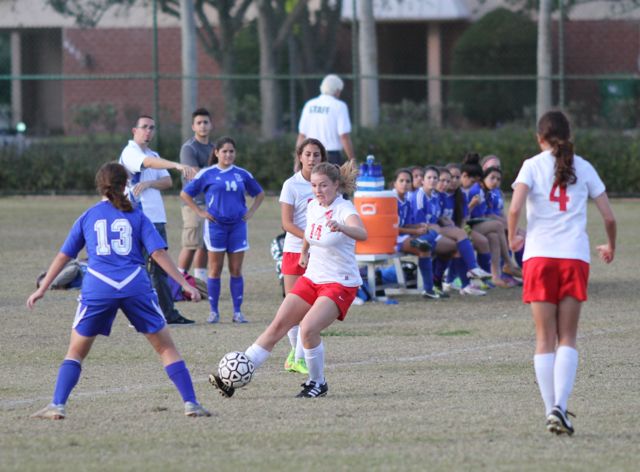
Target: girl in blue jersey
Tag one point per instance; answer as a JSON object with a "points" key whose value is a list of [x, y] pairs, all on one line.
{"points": [[224, 186], [115, 236], [410, 237]]}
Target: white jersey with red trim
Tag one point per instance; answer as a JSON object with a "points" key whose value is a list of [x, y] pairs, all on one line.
{"points": [[557, 217], [332, 254], [297, 192]]}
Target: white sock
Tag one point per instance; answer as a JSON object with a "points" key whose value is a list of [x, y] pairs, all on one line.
{"points": [[293, 336], [299, 349], [564, 374], [257, 354], [200, 274], [543, 365], [315, 363], [182, 271]]}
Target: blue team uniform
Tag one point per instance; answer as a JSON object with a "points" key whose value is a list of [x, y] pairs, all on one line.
{"points": [[224, 191], [495, 202], [480, 210], [116, 277], [427, 210]]}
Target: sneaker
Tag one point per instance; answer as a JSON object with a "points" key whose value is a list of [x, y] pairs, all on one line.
{"points": [[469, 290], [180, 320], [300, 367], [311, 389], [194, 410], [480, 284], [478, 273], [558, 421], [223, 389], [290, 360], [432, 295], [446, 287], [213, 318], [441, 293], [238, 317], [420, 244], [50, 412]]}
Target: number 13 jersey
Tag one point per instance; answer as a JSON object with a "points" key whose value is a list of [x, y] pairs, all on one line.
{"points": [[332, 254], [557, 216]]}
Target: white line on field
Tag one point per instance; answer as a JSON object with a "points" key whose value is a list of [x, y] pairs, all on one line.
{"points": [[11, 404]]}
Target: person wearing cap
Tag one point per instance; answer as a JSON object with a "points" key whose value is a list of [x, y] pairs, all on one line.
{"points": [[326, 118]]}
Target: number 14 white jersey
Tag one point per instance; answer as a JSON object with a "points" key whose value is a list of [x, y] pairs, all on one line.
{"points": [[332, 254], [557, 217]]}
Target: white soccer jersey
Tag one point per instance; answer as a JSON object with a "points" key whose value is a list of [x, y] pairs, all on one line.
{"points": [[325, 118], [332, 254], [297, 192], [557, 217]]}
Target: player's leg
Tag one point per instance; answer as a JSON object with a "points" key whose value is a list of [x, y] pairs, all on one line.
{"points": [[237, 243], [215, 240], [200, 264], [545, 320]]}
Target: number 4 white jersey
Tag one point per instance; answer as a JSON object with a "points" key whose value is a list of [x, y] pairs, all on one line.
{"points": [[557, 217]]}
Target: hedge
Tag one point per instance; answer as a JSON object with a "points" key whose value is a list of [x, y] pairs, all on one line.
{"points": [[69, 165]]}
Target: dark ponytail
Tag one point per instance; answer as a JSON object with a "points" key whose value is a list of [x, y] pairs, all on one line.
{"points": [[111, 180], [555, 130]]}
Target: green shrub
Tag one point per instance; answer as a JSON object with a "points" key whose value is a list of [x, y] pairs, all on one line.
{"points": [[500, 43]]}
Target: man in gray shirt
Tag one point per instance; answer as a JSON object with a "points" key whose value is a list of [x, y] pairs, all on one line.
{"points": [[195, 152]]}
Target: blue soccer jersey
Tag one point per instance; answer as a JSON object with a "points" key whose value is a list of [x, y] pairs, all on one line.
{"points": [[426, 208], [405, 212], [114, 241], [448, 203], [495, 202], [224, 191], [480, 209]]}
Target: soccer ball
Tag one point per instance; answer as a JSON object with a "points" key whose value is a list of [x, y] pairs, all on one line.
{"points": [[235, 369]]}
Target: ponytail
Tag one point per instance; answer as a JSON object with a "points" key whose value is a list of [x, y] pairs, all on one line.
{"points": [[555, 130], [345, 175], [111, 180]]}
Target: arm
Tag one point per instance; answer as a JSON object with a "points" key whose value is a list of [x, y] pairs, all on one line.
{"points": [[607, 251], [304, 253], [286, 218], [160, 163], [160, 184], [56, 266], [352, 227], [188, 200], [414, 229], [347, 145], [257, 201], [164, 261], [517, 202]]}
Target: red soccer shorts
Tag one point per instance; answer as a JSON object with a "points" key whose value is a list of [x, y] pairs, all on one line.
{"points": [[290, 264], [342, 296], [546, 279]]}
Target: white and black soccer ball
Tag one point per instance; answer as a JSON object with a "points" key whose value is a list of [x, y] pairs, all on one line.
{"points": [[235, 369]]}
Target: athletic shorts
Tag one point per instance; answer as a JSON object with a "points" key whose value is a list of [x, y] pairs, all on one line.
{"points": [[400, 241], [546, 279], [219, 237], [342, 296], [192, 227], [431, 237], [290, 264], [95, 317]]}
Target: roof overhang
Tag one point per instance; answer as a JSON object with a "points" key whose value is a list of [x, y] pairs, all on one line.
{"points": [[412, 10]]}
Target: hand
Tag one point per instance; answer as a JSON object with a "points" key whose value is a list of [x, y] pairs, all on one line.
{"points": [[193, 294], [34, 297], [475, 200], [606, 253], [423, 228], [187, 171], [139, 188], [206, 215], [334, 226], [304, 259], [247, 215], [516, 243]]}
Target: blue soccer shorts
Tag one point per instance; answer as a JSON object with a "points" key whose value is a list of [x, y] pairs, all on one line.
{"points": [[219, 237]]}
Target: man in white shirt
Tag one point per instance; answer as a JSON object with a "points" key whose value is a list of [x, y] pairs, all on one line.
{"points": [[147, 177], [326, 118]]}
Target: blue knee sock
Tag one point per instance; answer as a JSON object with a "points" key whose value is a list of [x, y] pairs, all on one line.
{"points": [[426, 270], [461, 268], [236, 284], [439, 266], [466, 252], [179, 375], [484, 261], [68, 376], [518, 255], [453, 271], [213, 287]]}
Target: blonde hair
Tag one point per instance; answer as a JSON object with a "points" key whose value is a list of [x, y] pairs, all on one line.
{"points": [[345, 175]]}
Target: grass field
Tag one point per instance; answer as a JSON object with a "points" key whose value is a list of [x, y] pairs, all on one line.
{"points": [[445, 385]]}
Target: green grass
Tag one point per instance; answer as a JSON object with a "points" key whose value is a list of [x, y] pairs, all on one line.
{"points": [[445, 385]]}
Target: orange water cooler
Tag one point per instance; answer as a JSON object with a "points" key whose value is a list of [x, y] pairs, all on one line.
{"points": [[379, 213]]}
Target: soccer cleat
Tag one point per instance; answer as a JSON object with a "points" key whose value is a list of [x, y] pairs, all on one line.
{"points": [[441, 293], [238, 317], [558, 421], [300, 367], [481, 284], [213, 318], [223, 389], [50, 412], [478, 273], [290, 360], [195, 410], [469, 290], [311, 389], [420, 245], [432, 295], [180, 320]]}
